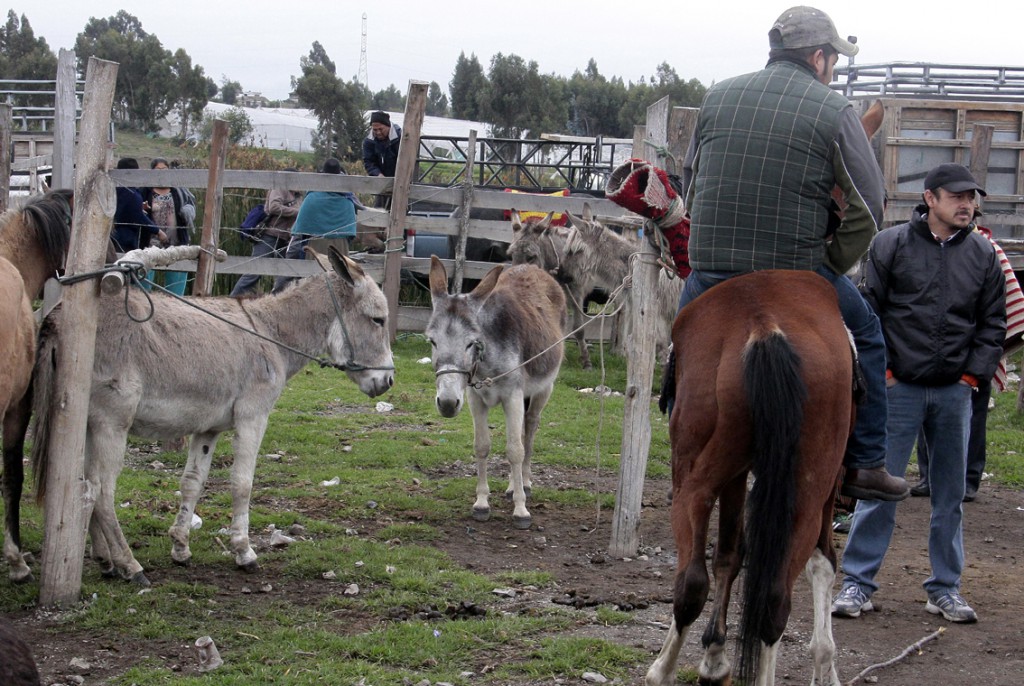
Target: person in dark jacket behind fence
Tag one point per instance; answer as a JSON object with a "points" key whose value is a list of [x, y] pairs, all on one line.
{"points": [[380, 150], [939, 290], [130, 218], [380, 147]]}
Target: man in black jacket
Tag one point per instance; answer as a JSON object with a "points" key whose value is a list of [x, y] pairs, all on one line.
{"points": [[380, 150], [380, 147], [938, 288]]}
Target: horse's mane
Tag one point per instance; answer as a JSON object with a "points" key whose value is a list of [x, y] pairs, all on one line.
{"points": [[48, 216]]}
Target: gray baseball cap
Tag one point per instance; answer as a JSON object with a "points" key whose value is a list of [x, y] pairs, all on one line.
{"points": [[806, 27]]}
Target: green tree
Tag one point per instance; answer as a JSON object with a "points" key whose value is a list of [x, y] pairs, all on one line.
{"points": [[240, 129], [634, 110], [25, 57], [681, 93], [518, 100], [595, 103], [190, 91], [437, 101], [229, 90], [320, 89], [336, 104], [390, 99], [149, 77], [468, 81]]}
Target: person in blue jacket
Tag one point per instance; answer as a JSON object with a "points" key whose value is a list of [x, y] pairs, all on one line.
{"points": [[323, 214]]}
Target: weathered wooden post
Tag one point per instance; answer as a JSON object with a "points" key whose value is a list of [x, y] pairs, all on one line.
{"points": [[69, 500], [405, 170], [667, 130], [5, 155], [64, 111], [466, 207], [981, 149], [212, 210]]}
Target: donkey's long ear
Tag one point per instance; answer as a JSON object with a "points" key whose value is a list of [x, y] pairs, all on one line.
{"points": [[344, 266], [544, 224], [320, 258], [438, 278], [573, 220], [588, 214], [487, 284], [517, 221]]}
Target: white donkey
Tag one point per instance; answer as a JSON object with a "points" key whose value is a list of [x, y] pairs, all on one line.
{"points": [[164, 368], [502, 343]]}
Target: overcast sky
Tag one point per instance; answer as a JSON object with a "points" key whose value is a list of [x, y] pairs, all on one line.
{"points": [[258, 43]]}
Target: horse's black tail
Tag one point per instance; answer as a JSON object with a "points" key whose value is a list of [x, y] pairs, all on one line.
{"points": [[776, 393], [42, 387]]}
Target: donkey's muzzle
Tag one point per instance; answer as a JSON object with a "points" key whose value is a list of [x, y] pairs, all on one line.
{"points": [[448, 407]]}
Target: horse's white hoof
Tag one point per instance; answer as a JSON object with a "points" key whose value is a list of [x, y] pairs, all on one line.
{"points": [[481, 514], [520, 522]]}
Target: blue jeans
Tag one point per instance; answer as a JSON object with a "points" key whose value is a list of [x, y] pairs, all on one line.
{"points": [[944, 413], [266, 246], [866, 447]]}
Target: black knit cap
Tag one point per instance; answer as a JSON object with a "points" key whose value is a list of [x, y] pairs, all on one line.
{"points": [[380, 117]]}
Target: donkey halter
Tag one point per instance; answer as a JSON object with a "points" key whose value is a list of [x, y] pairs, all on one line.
{"points": [[471, 372], [347, 366]]}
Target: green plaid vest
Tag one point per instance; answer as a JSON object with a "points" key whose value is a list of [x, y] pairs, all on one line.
{"points": [[763, 173]]}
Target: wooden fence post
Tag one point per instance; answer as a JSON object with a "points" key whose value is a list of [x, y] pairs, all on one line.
{"points": [[981, 148], [405, 171], [69, 500], [466, 207], [64, 110], [212, 210], [5, 155], [667, 135]]}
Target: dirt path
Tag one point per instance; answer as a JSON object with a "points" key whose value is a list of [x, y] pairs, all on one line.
{"points": [[566, 543]]}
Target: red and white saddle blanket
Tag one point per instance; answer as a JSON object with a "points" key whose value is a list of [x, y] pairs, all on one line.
{"points": [[1014, 311]]}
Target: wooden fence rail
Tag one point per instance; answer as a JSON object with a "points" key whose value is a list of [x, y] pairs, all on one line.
{"points": [[374, 220]]}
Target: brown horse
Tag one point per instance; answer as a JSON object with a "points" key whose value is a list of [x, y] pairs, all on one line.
{"points": [[763, 386], [34, 242]]}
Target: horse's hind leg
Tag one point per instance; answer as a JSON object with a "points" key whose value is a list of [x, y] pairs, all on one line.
{"points": [[715, 667], [690, 513], [481, 450], [15, 424], [197, 469], [821, 573]]}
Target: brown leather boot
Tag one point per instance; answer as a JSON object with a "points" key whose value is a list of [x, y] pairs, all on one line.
{"points": [[874, 484]]}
